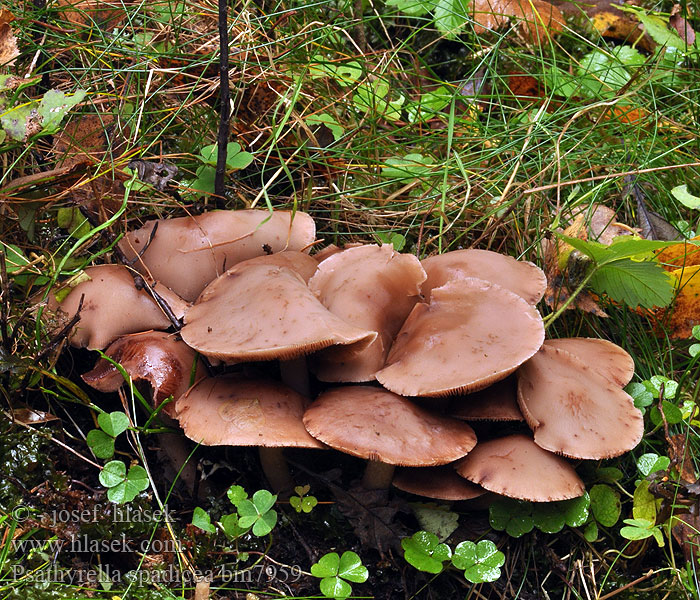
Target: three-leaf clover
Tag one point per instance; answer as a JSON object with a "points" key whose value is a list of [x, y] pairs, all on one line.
{"points": [[640, 529], [424, 551], [480, 562], [302, 502], [258, 512], [101, 441], [334, 570], [123, 486]]}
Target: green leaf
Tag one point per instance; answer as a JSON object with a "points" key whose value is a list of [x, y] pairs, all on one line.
{"points": [[204, 183], [681, 193], [650, 462], [236, 494], [351, 568], [640, 529], [413, 8], [673, 413], [480, 562], [325, 119], [424, 551], [513, 516], [645, 504], [644, 284], [113, 423], [658, 30], [640, 394], [201, 519], [335, 587], [670, 387], [548, 517], [235, 157], [410, 166], [54, 106], [327, 566], [450, 16], [590, 532], [113, 473], [100, 443], [609, 474], [257, 512], [605, 504], [16, 120], [231, 526]]}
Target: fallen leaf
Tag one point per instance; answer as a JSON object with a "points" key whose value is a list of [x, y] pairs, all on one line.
{"points": [[679, 255], [88, 13], [685, 312], [682, 27], [539, 20], [686, 533], [29, 416], [8, 42]]}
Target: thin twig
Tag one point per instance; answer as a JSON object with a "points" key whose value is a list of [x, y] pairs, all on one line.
{"points": [[225, 100]]}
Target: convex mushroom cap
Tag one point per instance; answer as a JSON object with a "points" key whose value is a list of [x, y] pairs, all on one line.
{"points": [[607, 358], [264, 312], [187, 253], [112, 306], [374, 424], [153, 356], [519, 276], [233, 411], [441, 483], [516, 467], [372, 287], [574, 409], [498, 402], [472, 334]]}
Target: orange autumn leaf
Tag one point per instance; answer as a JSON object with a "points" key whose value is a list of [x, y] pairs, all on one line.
{"points": [[538, 19], [685, 312], [679, 255]]}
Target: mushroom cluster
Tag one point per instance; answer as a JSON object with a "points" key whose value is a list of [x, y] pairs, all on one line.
{"points": [[461, 325]]}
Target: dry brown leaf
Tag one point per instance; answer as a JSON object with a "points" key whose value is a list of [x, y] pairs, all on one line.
{"points": [[682, 27], [538, 19], [8, 42], [86, 13]]}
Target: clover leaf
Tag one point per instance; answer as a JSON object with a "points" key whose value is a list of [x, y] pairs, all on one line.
{"points": [[258, 512], [334, 570], [513, 516], [201, 519], [480, 562], [123, 486], [101, 444], [605, 504], [113, 423], [424, 551]]}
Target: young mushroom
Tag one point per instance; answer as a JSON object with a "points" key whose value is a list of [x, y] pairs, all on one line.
{"points": [[187, 253], [498, 402], [441, 483], [233, 411], [472, 334], [387, 430]]}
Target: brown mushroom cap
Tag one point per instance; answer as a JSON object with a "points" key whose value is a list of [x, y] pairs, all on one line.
{"points": [[441, 483], [372, 287], [264, 312], [374, 424], [472, 334], [519, 276], [607, 358], [498, 402], [187, 253], [232, 411], [574, 410], [112, 307], [516, 467], [154, 356]]}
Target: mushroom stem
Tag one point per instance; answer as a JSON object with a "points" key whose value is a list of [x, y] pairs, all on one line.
{"points": [[295, 374], [276, 470], [378, 475]]}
